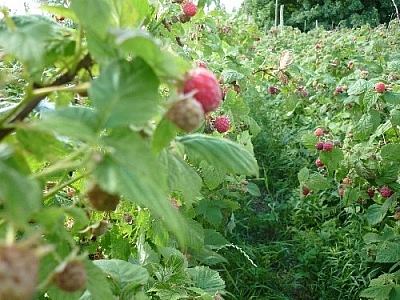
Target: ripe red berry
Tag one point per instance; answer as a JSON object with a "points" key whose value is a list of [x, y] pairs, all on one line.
{"points": [[18, 272], [305, 191], [370, 193], [187, 114], [319, 163], [380, 87], [318, 132], [222, 124], [189, 9], [205, 87], [385, 191], [319, 145], [272, 90], [71, 277], [328, 146], [346, 180]]}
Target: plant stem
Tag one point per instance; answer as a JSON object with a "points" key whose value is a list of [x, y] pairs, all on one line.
{"points": [[59, 187]]}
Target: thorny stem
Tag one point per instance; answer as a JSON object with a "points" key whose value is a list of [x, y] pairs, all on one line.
{"points": [[59, 187]]}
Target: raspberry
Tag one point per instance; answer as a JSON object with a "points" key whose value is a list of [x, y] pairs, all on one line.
{"points": [[272, 90], [205, 87], [189, 9], [186, 114], [386, 192], [18, 272], [370, 193], [201, 64], [102, 200], [71, 277], [319, 145], [328, 146], [305, 191], [319, 163], [318, 132], [346, 180], [380, 87], [222, 124]]}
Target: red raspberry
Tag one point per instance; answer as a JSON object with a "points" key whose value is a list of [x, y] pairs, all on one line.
{"points": [[370, 193], [380, 87], [189, 9], [272, 90], [201, 64], [222, 124], [206, 88], [71, 277], [18, 272], [319, 145], [318, 132], [319, 163], [386, 192], [328, 146], [305, 191], [187, 114]]}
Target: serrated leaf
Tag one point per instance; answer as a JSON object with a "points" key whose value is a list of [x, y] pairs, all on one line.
{"points": [[211, 210], [395, 117], [221, 153], [377, 292], [351, 196], [370, 98], [181, 177], [317, 182], [389, 252], [392, 98], [132, 170], [97, 283], [21, 196], [214, 239], [332, 159], [163, 135], [122, 272], [371, 238], [212, 177], [303, 174], [367, 125], [309, 141], [230, 76], [374, 214], [196, 234], [207, 279], [358, 87], [391, 152], [125, 93]]}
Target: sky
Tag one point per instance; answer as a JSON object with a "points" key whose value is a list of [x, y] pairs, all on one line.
{"points": [[19, 4]]}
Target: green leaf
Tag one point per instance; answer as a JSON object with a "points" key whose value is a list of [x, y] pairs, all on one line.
{"points": [[392, 98], [371, 238], [391, 152], [132, 170], [21, 196], [358, 87], [309, 141], [351, 196], [122, 272], [128, 14], [389, 252], [125, 93], [211, 210], [97, 283], [317, 182], [221, 153], [367, 125], [79, 215], [332, 159], [395, 117], [94, 15], [206, 279], [181, 177], [230, 76], [303, 174], [163, 135], [378, 292], [236, 105], [212, 177], [370, 98], [195, 234], [43, 145], [214, 239], [375, 214], [74, 122]]}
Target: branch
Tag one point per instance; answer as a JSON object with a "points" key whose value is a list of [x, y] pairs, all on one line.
{"points": [[85, 63]]}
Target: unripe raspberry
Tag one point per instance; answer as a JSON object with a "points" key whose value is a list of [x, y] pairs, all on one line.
{"points": [[386, 192], [187, 114], [18, 272], [328, 146], [201, 64], [370, 193], [380, 87], [189, 9], [319, 163], [319, 146], [318, 132], [102, 200], [222, 124], [205, 87], [71, 277], [346, 180]]}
